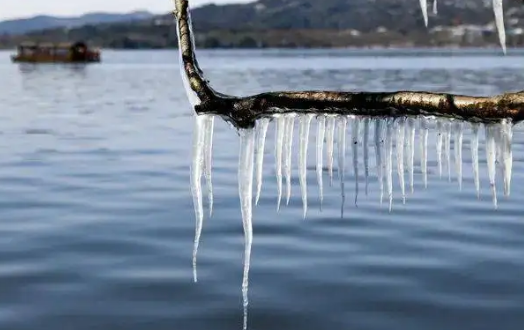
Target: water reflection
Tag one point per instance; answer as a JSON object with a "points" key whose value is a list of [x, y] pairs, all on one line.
{"points": [[393, 148]]}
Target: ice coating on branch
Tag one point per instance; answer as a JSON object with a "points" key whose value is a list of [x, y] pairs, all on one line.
{"points": [[321, 130], [261, 133], [245, 192], [305, 122], [197, 167], [288, 151], [341, 142], [279, 143], [401, 134], [424, 7], [366, 152], [208, 156], [330, 137], [379, 150], [355, 133], [499, 22]]}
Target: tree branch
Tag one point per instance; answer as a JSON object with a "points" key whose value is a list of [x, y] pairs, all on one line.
{"points": [[243, 111]]}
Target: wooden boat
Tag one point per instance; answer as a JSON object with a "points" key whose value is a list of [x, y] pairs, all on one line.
{"points": [[78, 52]]}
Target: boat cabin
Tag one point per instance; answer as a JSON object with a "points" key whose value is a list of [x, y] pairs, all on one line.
{"points": [[77, 52]]}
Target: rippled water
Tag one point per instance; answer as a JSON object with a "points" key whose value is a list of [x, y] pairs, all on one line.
{"points": [[97, 217]]}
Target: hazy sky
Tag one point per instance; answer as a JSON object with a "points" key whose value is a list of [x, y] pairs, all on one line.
{"points": [[25, 8]]}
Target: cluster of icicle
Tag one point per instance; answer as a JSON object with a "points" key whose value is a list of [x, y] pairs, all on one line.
{"points": [[392, 140], [497, 9]]}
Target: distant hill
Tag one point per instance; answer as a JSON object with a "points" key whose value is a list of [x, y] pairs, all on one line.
{"points": [[300, 23], [41, 22]]}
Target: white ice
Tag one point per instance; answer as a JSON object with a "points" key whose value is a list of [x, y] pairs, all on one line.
{"points": [[435, 9], [389, 160], [410, 151], [197, 167], [440, 136], [303, 133], [499, 22], [490, 158], [366, 152], [321, 130], [288, 151], [279, 143], [208, 156], [424, 7], [379, 149], [399, 144], [261, 133], [475, 157], [330, 137], [245, 192], [341, 142], [424, 150], [355, 133], [457, 144]]}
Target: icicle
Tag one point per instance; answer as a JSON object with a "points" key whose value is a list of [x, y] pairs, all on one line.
{"points": [[245, 192], [389, 161], [447, 147], [379, 136], [435, 9], [321, 130], [490, 157], [507, 154], [499, 21], [457, 144], [196, 185], [424, 150], [261, 133], [330, 136], [366, 152], [410, 151], [208, 156], [475, 156], [440, 135], [401, 132], [288, 150], [305, 122], [341, 141], [424, 7], [279, 143], [355, 133]]}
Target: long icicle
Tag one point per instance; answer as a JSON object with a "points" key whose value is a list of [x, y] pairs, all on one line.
{"points": [[424, 7], [355, 133], [507, 155], [261, 142], [401, 134], [321, 130], [330, 137], [245, 191], [208, 156], [196, 185], [366, 152], [491, 157], [279, 142], [410, 151], [305, 123], [424, 150], [389, 160], [499, 22], [341, 141], [288, 149], [475, 156], [379, 149]]}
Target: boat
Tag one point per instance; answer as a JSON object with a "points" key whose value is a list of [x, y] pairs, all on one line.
{"points": [[77, 52]]}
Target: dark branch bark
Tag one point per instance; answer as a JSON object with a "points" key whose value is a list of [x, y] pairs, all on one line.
{"points": [[243, 111]]}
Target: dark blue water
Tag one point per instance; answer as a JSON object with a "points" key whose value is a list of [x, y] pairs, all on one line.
{"points": [[97, 223]]}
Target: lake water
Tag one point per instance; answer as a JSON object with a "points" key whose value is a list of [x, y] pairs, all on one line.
{"points": [[97, 219]]}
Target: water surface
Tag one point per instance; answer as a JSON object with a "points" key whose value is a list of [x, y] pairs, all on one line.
{"points": [[97, 217]]}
